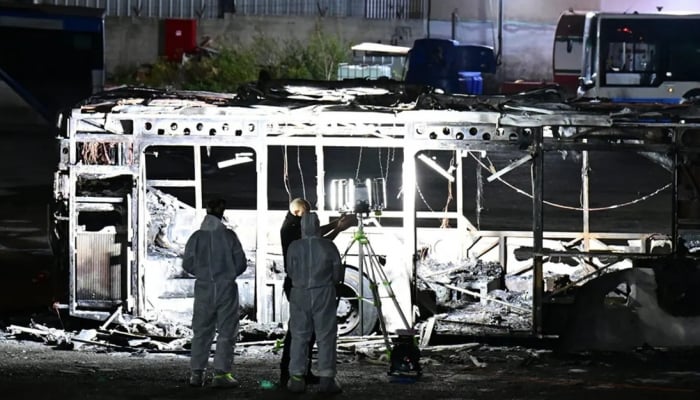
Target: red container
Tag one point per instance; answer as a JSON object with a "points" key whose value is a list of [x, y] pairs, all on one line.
{"points": [[180, 38]]}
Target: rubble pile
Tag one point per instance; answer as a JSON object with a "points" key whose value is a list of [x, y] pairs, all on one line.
{"points": [[472, 298], [124, 333], [162, 208], [468, 274]]}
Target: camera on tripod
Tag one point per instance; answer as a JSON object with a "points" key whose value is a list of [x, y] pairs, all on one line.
{"points": [[361, 198], [357, 196]]}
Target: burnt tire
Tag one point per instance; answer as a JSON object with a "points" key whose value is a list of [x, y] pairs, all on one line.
{"points": [[350, 322], [692, 95]]}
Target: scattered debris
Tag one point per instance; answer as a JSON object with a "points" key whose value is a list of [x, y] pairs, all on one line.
{"points": [[473, 298], [477, 363], [427, 332]]}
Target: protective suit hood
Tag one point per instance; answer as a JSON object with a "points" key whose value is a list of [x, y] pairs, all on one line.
{"points": [[211, 223], [214, 253], [310, 226], [313, 261]]}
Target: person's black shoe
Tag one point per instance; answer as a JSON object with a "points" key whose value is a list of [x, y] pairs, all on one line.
{"points": [[330, 386], [312, 379], [296, 384], [284, 378]]}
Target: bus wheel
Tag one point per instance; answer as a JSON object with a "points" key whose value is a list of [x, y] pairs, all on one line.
{"points": [[350, 322], [691, 95]]}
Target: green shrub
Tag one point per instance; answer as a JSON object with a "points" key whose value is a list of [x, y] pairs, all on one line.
{"points": [[317, 59]]}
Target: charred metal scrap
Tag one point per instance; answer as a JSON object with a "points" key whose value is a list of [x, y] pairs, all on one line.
{"points": [[137, 164]]}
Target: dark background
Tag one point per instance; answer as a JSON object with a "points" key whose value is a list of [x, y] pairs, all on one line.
{"points": [[27, 161]]}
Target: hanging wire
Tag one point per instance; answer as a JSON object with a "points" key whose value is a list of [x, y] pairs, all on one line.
{"points": [[420, 193], [445, 219], [285, 175], [359, 161], [389, 158], [549, 203], [390, 154], [301, 173], [479, 194]]}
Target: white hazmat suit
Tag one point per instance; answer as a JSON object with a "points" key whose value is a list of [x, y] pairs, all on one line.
{"points": [[214, 255], [315, 268]]}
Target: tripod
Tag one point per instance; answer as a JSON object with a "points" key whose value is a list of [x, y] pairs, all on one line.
{"points": [[405, 354]]}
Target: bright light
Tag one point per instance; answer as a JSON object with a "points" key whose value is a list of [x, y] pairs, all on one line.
{"points": [[334, 194], [345, 193], [342, 194], [370, 199], [379, 191], [241, 158], [432, 164]]}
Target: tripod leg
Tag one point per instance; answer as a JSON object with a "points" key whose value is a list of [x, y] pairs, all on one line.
{"points": [[375, 292], [387, 285], [348, 249]]}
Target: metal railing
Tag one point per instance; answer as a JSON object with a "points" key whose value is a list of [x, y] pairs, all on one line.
{"points": [[370, 9]]}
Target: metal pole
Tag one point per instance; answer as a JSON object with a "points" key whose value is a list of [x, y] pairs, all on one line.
{"points": [[459, 161], [430, 8], [409, 215], [479, 192], [499, 53], [674, 194], [361, 254], [586, 212], [321, 177], [537, 234], [263, 247], [198, 177]]}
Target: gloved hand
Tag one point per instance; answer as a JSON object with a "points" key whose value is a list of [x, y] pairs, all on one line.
{"points": [[287, 286], [345, 221]]}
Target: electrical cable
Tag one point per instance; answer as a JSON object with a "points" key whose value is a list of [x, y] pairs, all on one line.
{"points": [[549, 203], [285, 175], [445, 220], [390, 156], [301, 173], [359, 161], [420, 194]]}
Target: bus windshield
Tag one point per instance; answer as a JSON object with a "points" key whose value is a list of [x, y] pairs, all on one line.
{"points": [[648, 51]]}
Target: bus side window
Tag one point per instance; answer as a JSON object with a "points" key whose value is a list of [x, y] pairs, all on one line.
{"points": [[615, 61]]}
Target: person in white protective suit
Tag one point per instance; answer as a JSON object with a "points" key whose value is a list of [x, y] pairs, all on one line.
{"points": [[214, 255], [315, 268]]}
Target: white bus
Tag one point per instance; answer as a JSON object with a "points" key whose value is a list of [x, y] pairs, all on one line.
{"points": [[641, 57]]}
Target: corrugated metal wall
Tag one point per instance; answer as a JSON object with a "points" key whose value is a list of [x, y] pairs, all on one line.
{"points": [[370, 9], [98, 275], [328, 8], [394, 9], [149, 8]]}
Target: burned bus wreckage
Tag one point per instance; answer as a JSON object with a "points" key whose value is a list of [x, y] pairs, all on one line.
{"points": [[506, 215]]}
